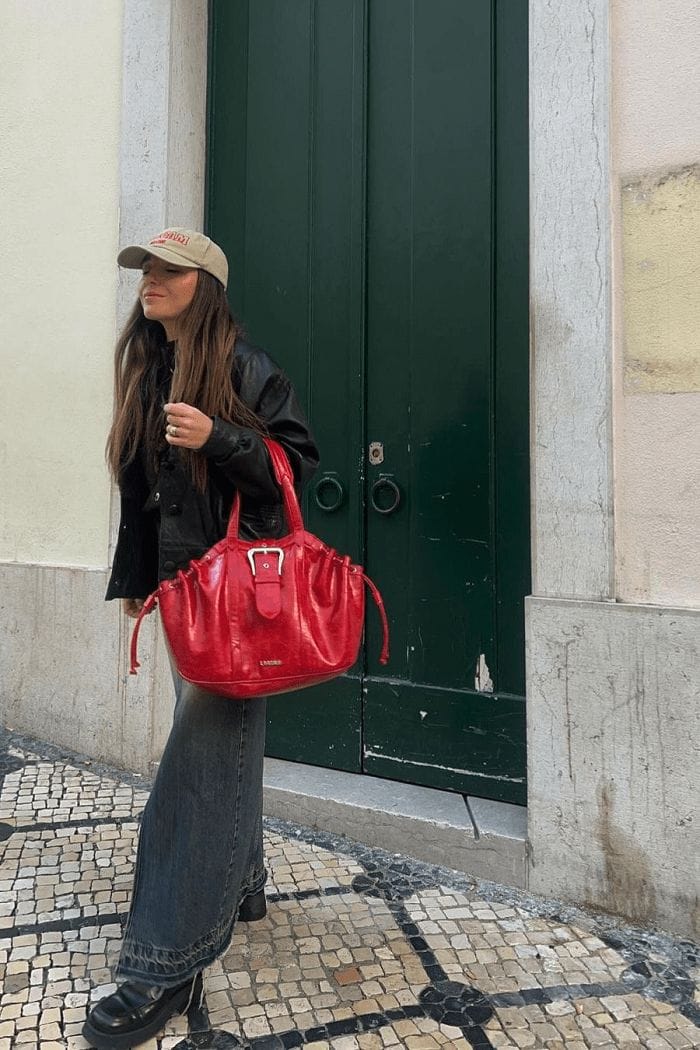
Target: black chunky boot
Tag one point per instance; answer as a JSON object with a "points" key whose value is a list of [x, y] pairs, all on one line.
{"points": [[136, 1011], [253, 907]]}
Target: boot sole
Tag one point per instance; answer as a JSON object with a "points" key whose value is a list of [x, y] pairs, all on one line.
{"points": [[101, 1040]]}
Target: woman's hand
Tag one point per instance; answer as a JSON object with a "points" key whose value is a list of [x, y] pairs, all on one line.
{"points": [[132, 606], [186, 426]]}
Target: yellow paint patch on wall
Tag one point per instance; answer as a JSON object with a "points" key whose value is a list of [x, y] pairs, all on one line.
{"points": [[661, 283]]}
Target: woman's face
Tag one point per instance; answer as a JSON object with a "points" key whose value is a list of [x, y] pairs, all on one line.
{"points": [[165, 292]]}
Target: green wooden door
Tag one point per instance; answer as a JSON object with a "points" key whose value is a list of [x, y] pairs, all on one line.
{"points": [[367, 177]]}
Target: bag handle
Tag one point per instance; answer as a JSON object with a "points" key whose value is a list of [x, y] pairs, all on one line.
{"points": [[285, 479]]}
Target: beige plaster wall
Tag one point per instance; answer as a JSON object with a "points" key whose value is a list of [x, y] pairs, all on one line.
{"points": [[102, 129], [656, 312], [60, 82]]}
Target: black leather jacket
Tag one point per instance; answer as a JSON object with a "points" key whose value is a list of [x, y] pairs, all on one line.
{"points": [[162, 528]]}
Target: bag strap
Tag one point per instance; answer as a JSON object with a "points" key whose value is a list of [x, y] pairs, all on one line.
{"points": [[285, 479], [147, 607], [384, 655]]}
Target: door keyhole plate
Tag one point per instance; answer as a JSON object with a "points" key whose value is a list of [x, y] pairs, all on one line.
{"points": [[376, 453]]}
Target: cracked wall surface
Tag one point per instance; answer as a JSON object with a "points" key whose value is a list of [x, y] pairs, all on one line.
{"points": [[613, 723]]}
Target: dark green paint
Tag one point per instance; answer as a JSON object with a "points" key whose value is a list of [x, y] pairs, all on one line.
{"points": [[312, 725], [446, 738], [429, 334], [367, 177], [286, 200]]}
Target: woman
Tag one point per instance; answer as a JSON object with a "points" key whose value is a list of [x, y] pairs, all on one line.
{"points": [[192, 400]]}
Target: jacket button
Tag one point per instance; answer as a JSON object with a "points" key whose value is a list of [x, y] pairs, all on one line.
{"points": [[156, 497], [174, 509], [168, 566]]}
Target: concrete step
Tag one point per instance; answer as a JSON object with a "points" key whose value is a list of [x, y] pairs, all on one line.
{"points": [[483, 838]]}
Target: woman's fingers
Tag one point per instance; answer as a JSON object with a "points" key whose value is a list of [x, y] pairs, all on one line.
{"points": [[186, 426], [180, 415], [179, 410]]}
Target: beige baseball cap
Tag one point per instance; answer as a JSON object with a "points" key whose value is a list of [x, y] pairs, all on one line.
{"points": [[181, 247]]}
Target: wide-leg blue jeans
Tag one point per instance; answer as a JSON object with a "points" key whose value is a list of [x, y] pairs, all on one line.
{"points": [[200, 847]]}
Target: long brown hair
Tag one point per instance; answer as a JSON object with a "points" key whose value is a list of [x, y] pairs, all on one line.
{"points": [[202, 376]]}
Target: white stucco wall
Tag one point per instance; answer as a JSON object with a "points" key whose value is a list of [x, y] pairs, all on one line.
{"points": [[655, 47], [60, 82]]}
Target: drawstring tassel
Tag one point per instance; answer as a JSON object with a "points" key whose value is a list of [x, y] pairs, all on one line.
{"points": [[145, 609], [384, 655]]}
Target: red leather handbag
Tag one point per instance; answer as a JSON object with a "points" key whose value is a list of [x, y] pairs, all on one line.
{"points": [[258, 617]]}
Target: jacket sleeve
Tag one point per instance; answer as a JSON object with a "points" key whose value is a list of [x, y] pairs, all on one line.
{"points": [[240, 454], [135, 565]]}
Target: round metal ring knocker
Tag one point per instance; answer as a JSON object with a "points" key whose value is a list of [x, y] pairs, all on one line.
{"points": [[385, 485], [332, 484]]}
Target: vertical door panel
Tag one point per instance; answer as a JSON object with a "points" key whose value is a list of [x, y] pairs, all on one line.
{"points": [[286, 198], [433, 716], [429, 332]]}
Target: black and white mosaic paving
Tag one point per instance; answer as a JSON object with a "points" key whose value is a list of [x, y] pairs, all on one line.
{"points": [[360, 949]]}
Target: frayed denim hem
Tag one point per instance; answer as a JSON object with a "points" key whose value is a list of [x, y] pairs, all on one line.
{"points": [[172, 966]]}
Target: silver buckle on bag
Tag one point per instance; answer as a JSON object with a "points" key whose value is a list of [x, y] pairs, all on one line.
{"points": [[266, 550]]}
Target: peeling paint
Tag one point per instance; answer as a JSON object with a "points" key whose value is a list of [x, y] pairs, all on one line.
{"points": [[482, 680]]}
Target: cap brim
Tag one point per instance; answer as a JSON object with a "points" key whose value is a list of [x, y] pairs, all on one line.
{"points": [[134, 256]]}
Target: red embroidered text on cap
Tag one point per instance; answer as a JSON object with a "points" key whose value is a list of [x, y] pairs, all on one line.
{"points": [[170, 235]]}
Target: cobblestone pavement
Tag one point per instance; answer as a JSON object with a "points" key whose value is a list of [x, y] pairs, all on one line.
{"points": [[359, 949]]}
